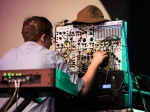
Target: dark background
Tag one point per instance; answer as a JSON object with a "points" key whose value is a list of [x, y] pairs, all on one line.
{"points": [[136, 14]]}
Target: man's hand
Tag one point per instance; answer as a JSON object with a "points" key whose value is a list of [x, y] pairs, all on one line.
{"points": [[88, 78], [99, 56]]}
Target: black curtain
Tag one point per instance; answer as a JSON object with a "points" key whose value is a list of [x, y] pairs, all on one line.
{"points": [[136, 13]]}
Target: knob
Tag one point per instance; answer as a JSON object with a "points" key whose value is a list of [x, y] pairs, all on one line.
{"points": [[31, 79], [83, 39], [91, 39]]}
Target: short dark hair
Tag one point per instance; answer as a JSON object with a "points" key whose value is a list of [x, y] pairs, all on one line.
{"points": [[34, 27]]}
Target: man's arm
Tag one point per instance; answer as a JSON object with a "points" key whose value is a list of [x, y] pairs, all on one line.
{"points": [[90, 74]]}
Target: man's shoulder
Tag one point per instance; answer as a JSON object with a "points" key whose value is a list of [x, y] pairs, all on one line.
{"points": [[7, 55], [49, 51], [10, 51]]}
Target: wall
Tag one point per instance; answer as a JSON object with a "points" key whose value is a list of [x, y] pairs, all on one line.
{"points": [[13, 12]]}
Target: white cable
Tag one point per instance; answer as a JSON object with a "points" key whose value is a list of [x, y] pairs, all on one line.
{"points": [[17, 84]]}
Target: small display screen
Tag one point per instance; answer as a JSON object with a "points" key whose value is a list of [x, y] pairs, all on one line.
{"points": [[106, 86]]}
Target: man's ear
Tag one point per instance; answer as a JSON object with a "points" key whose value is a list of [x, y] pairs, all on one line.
{"points": [[43, 37]]}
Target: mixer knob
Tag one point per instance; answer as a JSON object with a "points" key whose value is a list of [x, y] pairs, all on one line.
{"points": [[91, 39], [119, 61], [83, 39], [70, 38], [60, 38]]}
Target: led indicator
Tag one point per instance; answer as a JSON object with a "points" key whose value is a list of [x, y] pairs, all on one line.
{"points": [[9, 74], [19, 74], [12, 74], [4, 74]]}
